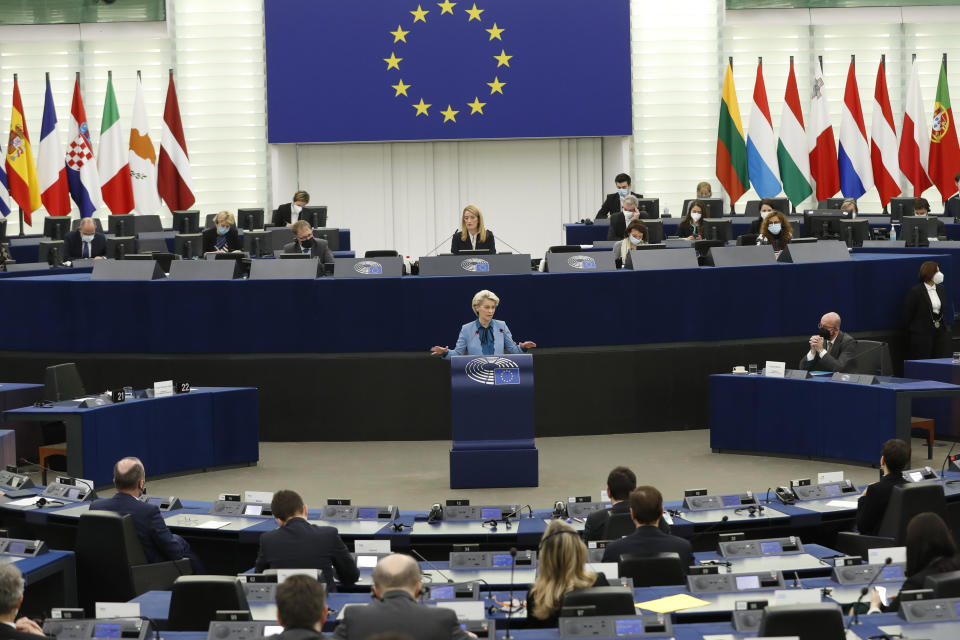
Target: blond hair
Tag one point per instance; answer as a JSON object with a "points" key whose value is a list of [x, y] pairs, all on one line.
{"points": [[481, 230], [561, 569], [483, 294], [225, 216]]}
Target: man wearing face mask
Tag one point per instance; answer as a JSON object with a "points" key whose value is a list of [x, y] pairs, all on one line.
{"points": [[922, 208], [614, 201], [830, 349], [304, 242], [286, 214], [620, 220], [85, 242]]}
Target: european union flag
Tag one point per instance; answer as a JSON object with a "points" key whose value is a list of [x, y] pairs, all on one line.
{"points": [[342, 71], [506, 376]]}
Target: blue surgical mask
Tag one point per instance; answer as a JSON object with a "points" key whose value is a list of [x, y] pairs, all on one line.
{"points": [[223, 230], [774, 228], [635, 241], [623, 192], [87, 237]]}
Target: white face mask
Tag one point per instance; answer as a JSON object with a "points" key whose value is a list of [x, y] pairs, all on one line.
{"points": [[696, 216], [764, 214], [938, 277], [87, 237]]}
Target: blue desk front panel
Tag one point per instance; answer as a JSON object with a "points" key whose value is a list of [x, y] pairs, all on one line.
{"points": [[945, 412]]}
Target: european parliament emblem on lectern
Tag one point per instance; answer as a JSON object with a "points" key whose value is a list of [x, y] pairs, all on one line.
{"points": [[492, 422]]}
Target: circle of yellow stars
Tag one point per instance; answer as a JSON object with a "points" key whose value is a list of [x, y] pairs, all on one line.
{"points": [[400, 37]]}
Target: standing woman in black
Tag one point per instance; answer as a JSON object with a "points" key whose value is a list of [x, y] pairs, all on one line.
{"points": [[473, 235], [927, 315]]}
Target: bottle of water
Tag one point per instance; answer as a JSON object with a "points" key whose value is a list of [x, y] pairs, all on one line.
{"points": [[893, 233]]}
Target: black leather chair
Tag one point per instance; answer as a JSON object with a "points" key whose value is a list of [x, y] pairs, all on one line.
{"points": [[944, 585], [618, 525], [196, 600], [747, 240], [381, 253], [111, 565], [603, 601], [873, 357], [62, 382], [906, 501], [806, 621], [654, 570]]}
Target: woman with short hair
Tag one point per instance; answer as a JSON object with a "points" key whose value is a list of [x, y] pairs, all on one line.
{"points": [[484, 336], [636, 236], [223, 237]]}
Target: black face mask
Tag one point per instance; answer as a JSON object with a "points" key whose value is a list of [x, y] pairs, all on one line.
{"points": [[824, 333], [306, 244]]}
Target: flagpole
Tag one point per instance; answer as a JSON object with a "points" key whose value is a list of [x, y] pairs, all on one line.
{"points": [[732, 210], [883, 63], [20, 208], [792, 206]]}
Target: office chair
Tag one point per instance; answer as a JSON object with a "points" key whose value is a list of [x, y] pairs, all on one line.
{"points": [[196, 600], [944, 585], [62, 382], [747, 239], [873, 357], [906, 501], [111, 565], [752, 208], [564, 248], [659, 569], [603, 601], [381, 253], [209, 221], [618, 525], [822, 621]]}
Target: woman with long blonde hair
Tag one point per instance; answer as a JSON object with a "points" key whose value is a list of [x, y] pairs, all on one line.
{"points": [[473, 235]]}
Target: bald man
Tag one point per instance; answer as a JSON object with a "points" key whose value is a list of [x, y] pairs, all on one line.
{"points": [[830, 349], [159, 544], [396, 585], [85, 242]]}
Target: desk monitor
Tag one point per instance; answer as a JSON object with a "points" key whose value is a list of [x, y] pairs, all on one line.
{"points": [[916, 230], [900, 208], [280, 236], [121, 225], [831, 203], [740, 256], [150, 245], [186, 221], [257, 243], [51, 252], [146, 223], [188, 245], [714, 207], [855, 231], [204, 270], [126, 270], [817, 251], [316, 216], [649, 208], [655, 260], [330, 234], [119, 246], [56, 227], [286, 269], [163, 258], [824, 225], [250, 219], [654, 231], [718, 229]]}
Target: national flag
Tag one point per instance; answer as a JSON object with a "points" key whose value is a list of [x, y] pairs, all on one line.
{"points": [[112, 162], [914, 150], [4, 193], [51, 169], [761, 152], [853, 157], [82, 175], [174, 181], [792, 152], [823, 147], [142, 158], [732, 168], [944, 149], [883, 141], [21, 171]]}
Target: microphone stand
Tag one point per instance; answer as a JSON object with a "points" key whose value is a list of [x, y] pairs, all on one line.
{"points": [[864, 591], [513, 565], [430, 564]]}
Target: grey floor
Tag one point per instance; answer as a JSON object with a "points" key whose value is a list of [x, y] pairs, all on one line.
{"points": [[413, 475]]}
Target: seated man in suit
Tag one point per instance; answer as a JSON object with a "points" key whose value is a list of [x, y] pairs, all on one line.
{"points": [[301, 608], [830, 349], [305, 243], [396, 585], [646, 511], [85, 242], [872, 504], [297, 544], [922, 208], [159, 544], [286, 214], [620, 219], [11, 597], [951, 208], [614, 201], [620, 482]]}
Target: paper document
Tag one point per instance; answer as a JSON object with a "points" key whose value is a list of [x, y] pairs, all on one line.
{"points": [[846, 504], [23, 502], [672, 603], [213, 524]]}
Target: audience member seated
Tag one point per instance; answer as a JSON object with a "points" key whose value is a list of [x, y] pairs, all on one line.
{"points": [[614, 201], [620, 482], [396, 586], [484, 336], [159, 544], [951, 208], [301, 608], [306, 243], [561, 559], [931, 550], [286, 214], [646, 511], [223, 237], [927, 316], [297, 544], [473, 234], [849, 205], [872, 504], [85, 242], [775, 231], [619, 220], [11, 598], [830, 349], [636, 236], [766, 208], [691, 226], [922, 208], [704, 190]]}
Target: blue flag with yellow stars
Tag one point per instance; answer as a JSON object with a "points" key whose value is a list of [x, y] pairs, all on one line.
{"points": [[371, 70]]}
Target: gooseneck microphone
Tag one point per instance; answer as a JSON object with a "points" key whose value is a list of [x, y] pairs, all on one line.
{"points": [[943, 467], [865, 590], [430, 564], [712, 527], [442, 242], [513, 565]]}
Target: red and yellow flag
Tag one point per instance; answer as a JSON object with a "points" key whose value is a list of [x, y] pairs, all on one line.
{"points": [[21, 169]]}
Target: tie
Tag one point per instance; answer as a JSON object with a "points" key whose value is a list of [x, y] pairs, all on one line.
{"points": [[829, 346], [86, 250]]}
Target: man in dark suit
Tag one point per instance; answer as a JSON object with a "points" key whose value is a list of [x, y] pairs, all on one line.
{"points": [[297, 544], [830, 349], [872, 503], [620, 219], [614, 201], [646, 510], [11, 598], [159, 544], [922, 208], [85, 242], [306, 243], [951, 208], [620, 482], [286, 214], [396, 585], [301, 608]]}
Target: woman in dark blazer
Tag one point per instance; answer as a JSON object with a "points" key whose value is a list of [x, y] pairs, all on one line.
{"points": [[691, 227], [473, 234], [927, 314], [223, 237]]}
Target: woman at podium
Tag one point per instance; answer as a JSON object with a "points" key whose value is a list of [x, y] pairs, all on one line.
{"points": [[484, 336], [473, 235]]}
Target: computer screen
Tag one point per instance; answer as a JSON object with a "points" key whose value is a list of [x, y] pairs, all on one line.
{"points": [[748, 582], [916, 230], [51, 252], [369, 513], [770, 547], [56, 227], [730, 501], [250, 219], [186, 221], [121, 225], [17, 547], [649, 208], [103, 630], [892, 572], [188, 245], [825, 226], [628, 627], [119, 246], [718, 229], [257, 243], [253, 510], [489, 513], [833, 490], [854, 232], [368, 562], [654, 231], [502, 560], [442, 593], [317, 216]]}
